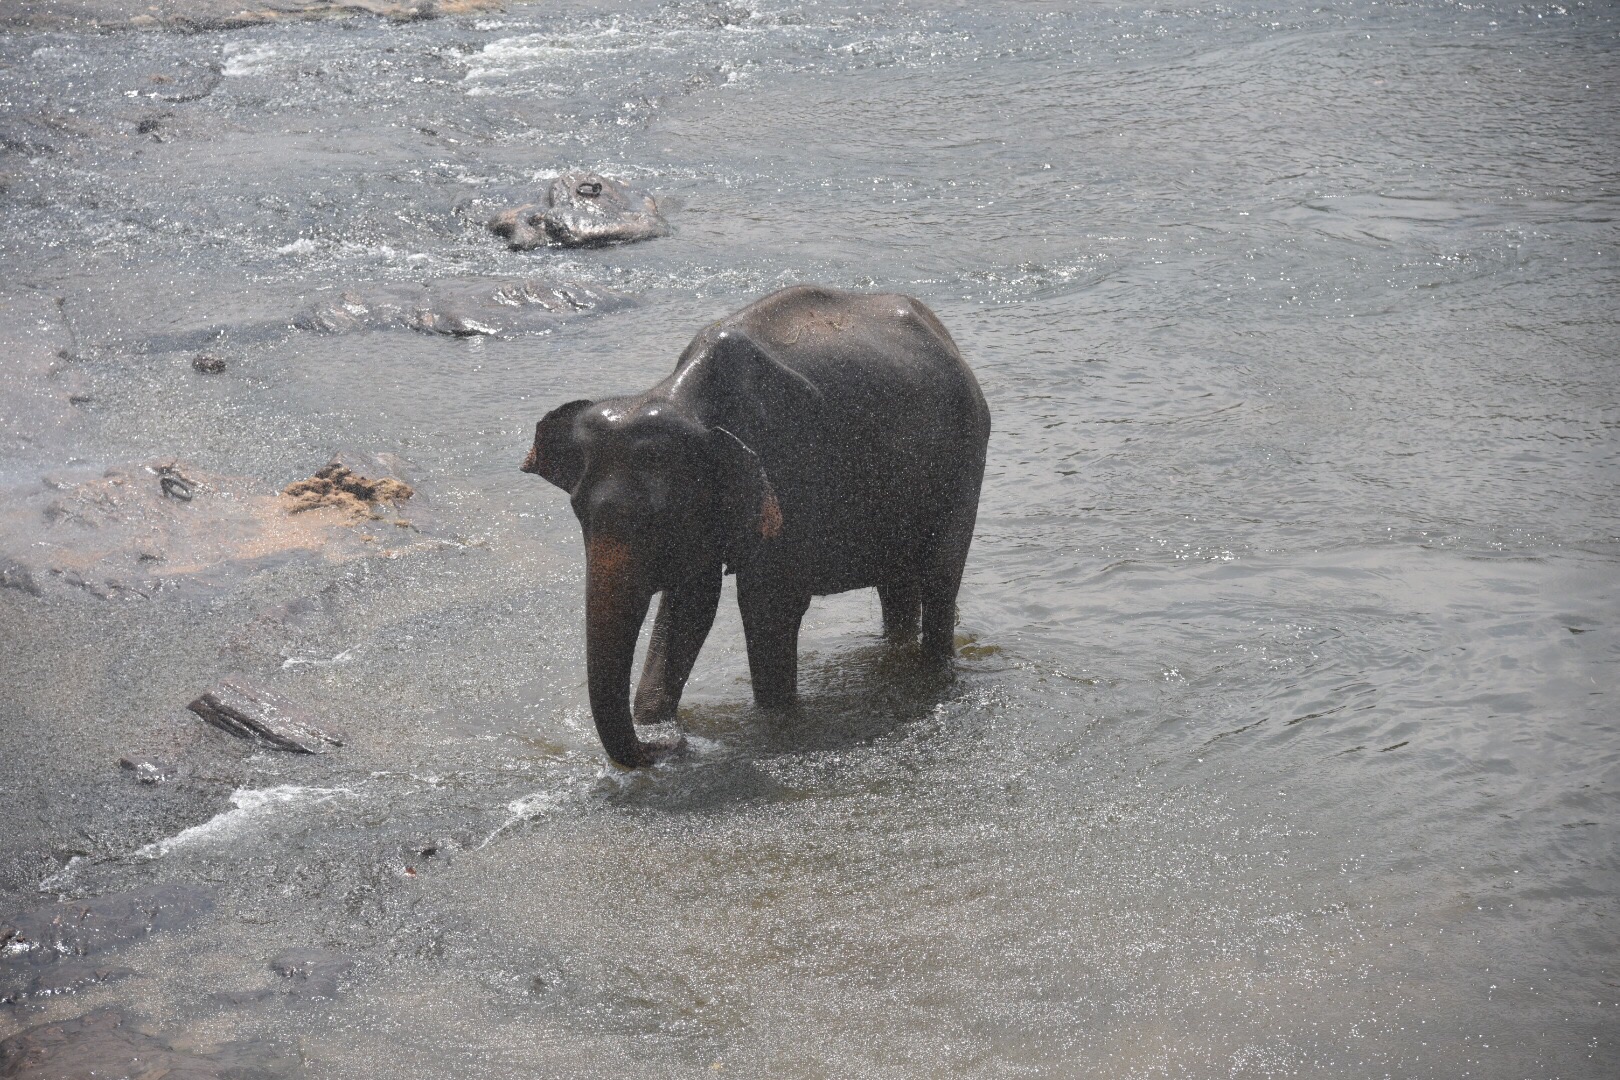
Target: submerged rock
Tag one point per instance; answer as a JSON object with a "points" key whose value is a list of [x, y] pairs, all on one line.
{"points": [[311, 972], [479, 307], [249, 712], [106, 1043], [582, 209], [147, 771], [69, 977]]}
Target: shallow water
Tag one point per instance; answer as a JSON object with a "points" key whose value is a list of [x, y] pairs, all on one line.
{"points": [[1280, 743]]}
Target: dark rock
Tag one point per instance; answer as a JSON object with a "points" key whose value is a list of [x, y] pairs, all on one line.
{"points": [[148, 772], [582, 209], [251, 713], [208, 363], [174, 485], [106, 1043], [478, 307], [86, 927]]}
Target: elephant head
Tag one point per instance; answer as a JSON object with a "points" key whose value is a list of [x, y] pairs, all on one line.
{"points": [[665, 501]]}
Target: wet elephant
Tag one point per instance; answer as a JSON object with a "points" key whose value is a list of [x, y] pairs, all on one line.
{"points": [[814, 442]]}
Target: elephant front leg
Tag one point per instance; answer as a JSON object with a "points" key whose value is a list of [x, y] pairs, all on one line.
{"points": [[685, 615], [771, 618]]}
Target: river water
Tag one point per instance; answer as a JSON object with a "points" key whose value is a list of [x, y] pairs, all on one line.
{"points": [[1282, 740]]}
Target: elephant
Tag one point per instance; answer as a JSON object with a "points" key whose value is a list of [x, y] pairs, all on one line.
{"points": [[815, 442]]}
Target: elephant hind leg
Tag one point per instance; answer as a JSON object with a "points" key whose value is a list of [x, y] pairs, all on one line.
{"points": [[939, 614], [942, 578], [902, 603]]}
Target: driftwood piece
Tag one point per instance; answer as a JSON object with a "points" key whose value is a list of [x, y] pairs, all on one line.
{"points": [[251, 713]]}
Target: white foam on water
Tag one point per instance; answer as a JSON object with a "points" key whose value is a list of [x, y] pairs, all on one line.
{"points": [[341, 658], [249, 60], [527, 808], [246, 804]]}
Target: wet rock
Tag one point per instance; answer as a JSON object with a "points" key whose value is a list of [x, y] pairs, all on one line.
{"points": [[252, 713], [335, 484], [582, 209], [147, 771], [208, 363], [107, 1043], [478, 307], [86, 927]]}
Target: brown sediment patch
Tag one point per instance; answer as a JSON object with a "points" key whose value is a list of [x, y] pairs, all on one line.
{"points": [[139, 529], [336, 485]]}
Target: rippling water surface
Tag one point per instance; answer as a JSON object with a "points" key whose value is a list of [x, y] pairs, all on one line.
{"points": [[1282, 741]]}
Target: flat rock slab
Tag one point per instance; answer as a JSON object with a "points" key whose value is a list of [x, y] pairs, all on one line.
{"points": [[85, 927], [249, 712], [582, 209], [477, 307]]}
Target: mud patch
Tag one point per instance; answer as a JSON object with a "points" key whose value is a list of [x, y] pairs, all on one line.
{"points": [[335, 485]]}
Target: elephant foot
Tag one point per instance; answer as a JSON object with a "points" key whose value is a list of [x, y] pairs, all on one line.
{"points": [[647, 754], [658, 712]]}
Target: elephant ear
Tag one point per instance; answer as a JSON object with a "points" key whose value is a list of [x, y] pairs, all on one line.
{"points": [[751, 510], [755, 384], [556, 453]]}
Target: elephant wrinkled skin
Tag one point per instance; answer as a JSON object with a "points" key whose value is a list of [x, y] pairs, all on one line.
{"points": [[815, 442]]}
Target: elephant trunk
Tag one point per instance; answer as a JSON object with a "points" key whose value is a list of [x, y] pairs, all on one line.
{"points": [[616, 602]]}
